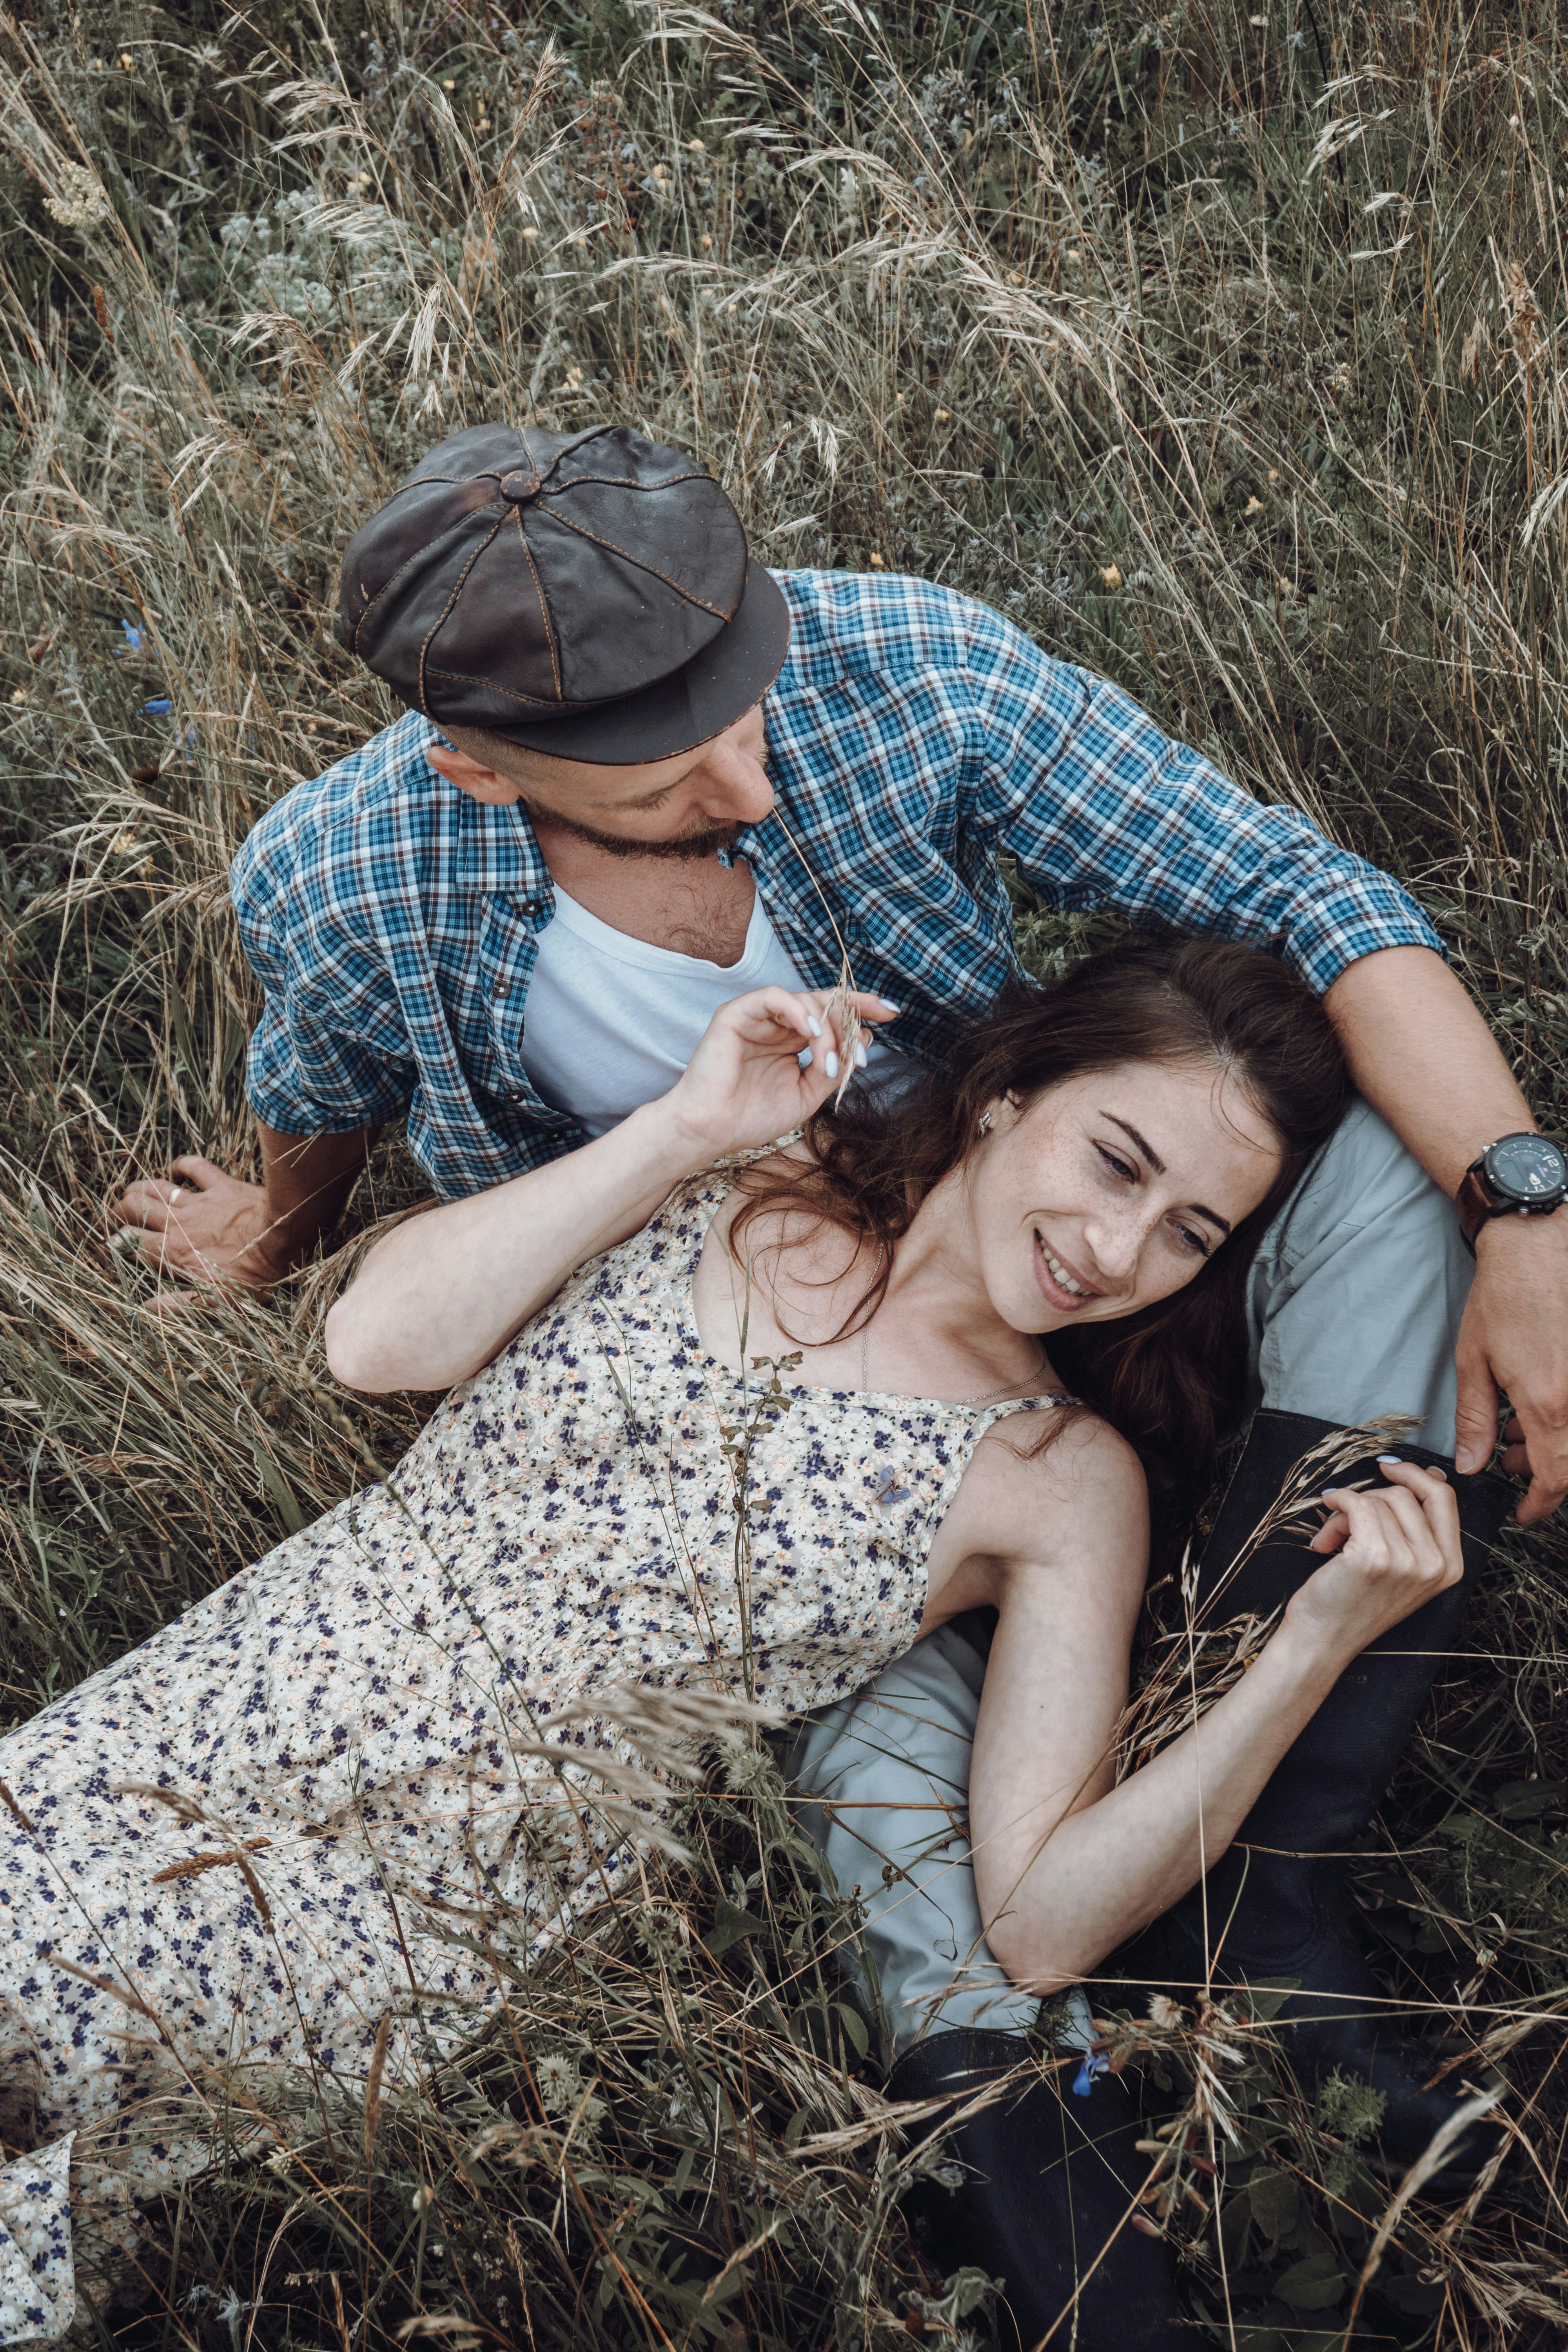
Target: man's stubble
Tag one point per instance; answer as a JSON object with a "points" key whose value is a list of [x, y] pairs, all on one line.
{"points": [[702, 844]]}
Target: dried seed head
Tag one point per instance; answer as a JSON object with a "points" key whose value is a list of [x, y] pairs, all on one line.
{"points": [[79, 201]]}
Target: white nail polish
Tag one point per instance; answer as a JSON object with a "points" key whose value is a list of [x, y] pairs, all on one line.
{"points": [[1391, 1457], [833, 1065], [861, 1056], [814, 1024]]}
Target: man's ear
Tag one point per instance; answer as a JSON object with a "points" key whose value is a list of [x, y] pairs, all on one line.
{"points": [[480, 783]]}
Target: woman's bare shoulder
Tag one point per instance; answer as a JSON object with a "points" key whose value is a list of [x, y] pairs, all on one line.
{"points": [[777, 1217], [1042, 1500], [782, 1164], [1089, 1452], [1083, 1473]]}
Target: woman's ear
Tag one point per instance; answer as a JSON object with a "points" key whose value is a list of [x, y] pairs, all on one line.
{"points": [[999, 1113]]}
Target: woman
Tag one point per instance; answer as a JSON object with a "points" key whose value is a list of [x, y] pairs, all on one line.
{"points": [[305, 1808]]}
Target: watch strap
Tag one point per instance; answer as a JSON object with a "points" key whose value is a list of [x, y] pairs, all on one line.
{"points": [[1474, 1204]]}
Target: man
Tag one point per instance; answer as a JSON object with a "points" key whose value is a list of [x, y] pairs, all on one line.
{"points": [[640, 774]]}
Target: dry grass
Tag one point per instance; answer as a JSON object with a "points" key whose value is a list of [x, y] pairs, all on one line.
{"points": [[1223, 351]]}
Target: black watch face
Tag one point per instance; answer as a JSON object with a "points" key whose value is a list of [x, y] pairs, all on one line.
{"points": [[1526, 1167]]}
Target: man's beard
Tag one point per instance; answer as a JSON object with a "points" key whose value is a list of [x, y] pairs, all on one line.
{"points": [[689, 845]]}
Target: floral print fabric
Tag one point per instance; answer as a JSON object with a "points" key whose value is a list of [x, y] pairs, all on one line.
{"points": [[319, 1799], [37, 2281]]}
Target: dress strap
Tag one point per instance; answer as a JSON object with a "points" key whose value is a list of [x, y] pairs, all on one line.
{"points": [[687, 1211], [1044, 1400]]}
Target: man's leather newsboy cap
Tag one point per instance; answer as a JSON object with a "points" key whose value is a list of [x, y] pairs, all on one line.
{"points": [[587, 595]]}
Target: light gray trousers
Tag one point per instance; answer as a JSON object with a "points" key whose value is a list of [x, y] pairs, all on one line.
{"points": [[1354, 1302]]}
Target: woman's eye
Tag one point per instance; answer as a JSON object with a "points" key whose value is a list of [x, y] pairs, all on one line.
{"points": [[1190, 1240], [1123, 1167]]}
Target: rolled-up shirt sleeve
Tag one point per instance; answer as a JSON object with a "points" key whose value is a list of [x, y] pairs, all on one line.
{"points": [[1100, 808], [310, 1069]]}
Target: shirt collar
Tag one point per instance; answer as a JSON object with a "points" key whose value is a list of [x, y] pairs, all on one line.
{"points": [[496, 849]]}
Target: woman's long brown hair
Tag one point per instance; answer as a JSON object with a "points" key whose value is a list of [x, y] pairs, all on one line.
{"points": [[1172, 1378]]}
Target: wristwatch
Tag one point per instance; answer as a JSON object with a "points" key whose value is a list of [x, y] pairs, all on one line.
{"points": [[1518, 1176]]}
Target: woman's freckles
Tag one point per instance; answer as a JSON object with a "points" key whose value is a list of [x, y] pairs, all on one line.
{"points": [[1125, 1183]]}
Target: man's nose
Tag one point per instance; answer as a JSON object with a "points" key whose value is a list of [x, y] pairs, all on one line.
{"points": [[732, 786]]}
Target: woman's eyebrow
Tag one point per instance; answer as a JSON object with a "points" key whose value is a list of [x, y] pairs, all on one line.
{"points": [[1146, 1147], [1141, 1144]]}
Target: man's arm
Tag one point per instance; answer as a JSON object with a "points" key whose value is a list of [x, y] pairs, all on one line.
{"points": [[1421, 1054], [306, 1065], [1100, 808], [221, 1233]]}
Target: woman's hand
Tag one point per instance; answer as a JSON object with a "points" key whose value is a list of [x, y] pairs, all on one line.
{"points": [[747, 1084], [1391, 1549], [436, 1298], [1062, 1881]]}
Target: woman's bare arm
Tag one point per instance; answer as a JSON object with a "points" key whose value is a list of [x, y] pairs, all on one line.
{"points": [[1068, 1864], [441, 1295]]}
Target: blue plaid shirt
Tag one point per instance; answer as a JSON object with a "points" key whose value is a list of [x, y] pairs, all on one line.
{"points": [[913, 735]]}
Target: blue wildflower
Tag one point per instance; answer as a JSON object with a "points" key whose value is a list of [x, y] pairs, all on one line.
{"points": [[160, 708], [1095, 2063]]}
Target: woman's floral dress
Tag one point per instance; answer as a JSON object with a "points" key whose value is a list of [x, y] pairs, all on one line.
{"points": [[313, 1801]]}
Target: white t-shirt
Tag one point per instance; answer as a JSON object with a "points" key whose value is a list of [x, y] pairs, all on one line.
{"points": [[610, 1022]]}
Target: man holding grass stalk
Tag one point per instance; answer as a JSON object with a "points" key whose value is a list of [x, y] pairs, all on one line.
{"points": [[639, 775]]}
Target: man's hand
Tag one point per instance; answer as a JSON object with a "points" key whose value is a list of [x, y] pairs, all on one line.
{"points": [[227, 1236], [1514, 1337], [207, 1227], [1421, 1054]]}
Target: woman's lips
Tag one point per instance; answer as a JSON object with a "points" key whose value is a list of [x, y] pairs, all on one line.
{"points": [[1066, 1302]]}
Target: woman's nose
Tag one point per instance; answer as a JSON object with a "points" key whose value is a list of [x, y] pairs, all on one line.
{"points": [[1115, 1245]]}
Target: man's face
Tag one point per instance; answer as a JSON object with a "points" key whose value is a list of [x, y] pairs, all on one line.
{"points": [[687, 806]]}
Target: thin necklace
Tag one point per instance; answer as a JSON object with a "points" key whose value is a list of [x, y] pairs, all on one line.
{"points": [[984, 1396]]}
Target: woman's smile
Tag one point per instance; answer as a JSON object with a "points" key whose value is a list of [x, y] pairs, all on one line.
{"points": [[1064, 1287], [1110, 1221]]}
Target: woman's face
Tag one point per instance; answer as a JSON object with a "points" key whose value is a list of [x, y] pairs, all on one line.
{"points": [[1108, 1193]]}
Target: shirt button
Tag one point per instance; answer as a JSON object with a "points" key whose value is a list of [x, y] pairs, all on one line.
{"points": [[500, 992]]}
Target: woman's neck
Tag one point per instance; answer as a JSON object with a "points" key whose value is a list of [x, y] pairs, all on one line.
{"points": [[934, 1331], [935, 1281]]}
